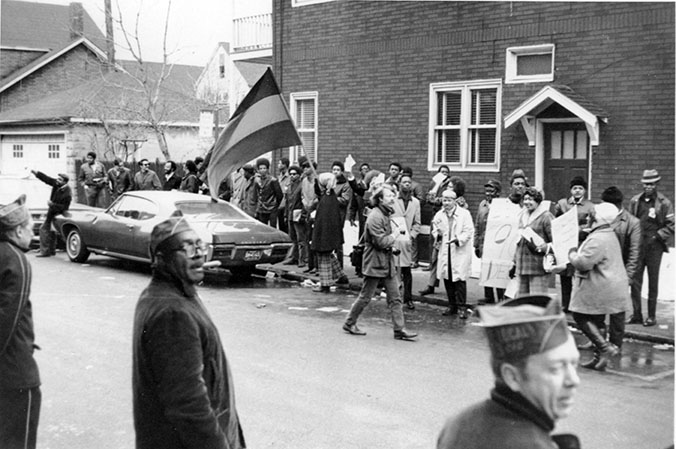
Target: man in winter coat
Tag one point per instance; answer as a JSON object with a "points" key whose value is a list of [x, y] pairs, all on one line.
{"points": [[492, 189], [93, 178], [119, 179], [379, 265], [600, 283], [183, 391], [657, 227], [343, 193], [20, 395], [453, 229], [269, 193], [407, 206], [294, 208], [534, 361], [59, 202]]}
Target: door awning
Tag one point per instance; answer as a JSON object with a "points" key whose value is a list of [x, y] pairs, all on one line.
{"points": [[567, 98]]}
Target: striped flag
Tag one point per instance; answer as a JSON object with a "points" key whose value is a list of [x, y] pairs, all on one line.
{"points": [[260, 124]]}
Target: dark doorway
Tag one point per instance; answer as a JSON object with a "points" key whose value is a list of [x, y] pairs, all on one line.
{"points": [[566, 155]]}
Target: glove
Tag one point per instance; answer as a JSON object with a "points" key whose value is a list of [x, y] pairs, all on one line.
{"points": [[512, 272], [477, 252]]}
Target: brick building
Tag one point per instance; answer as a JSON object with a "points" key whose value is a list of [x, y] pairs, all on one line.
{"points": [[557, 89]]}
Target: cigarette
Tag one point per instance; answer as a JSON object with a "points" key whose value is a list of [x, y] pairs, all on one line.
{"points": [[212, 264]]}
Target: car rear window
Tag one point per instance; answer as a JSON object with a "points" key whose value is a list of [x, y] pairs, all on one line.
{"points": [[215, 210]]}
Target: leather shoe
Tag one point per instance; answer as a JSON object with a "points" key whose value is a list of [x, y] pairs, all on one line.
{"points": [[42, 255], [321, 289], [634, 320], [588, 345], [449, 312], [353, 329], [409, 305], [404, 335], [343, 280], [427, 291], [650, 322]]}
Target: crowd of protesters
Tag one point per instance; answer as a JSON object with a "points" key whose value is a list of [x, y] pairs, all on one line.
{"points": [[313, 207]]}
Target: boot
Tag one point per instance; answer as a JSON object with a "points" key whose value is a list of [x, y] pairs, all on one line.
{"points": [[591, 364], [605, 349]]}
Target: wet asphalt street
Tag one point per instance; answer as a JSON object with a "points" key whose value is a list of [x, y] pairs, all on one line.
{"points": [[300, 381]]}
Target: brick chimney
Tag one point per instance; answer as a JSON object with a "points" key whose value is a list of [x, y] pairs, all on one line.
{"points": [[76, 20]]}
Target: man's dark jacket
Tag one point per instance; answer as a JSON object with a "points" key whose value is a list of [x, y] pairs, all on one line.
{"points": [[18, 368], [664, 217], [507, 421], [182, 386], [60, 197]]}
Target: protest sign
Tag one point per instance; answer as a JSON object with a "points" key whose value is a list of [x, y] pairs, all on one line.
{"points": [[564, 235], [502, 235]]}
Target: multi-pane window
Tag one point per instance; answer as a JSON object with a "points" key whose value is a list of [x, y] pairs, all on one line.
{"points": [[534, 63], [304, 112], [465, 124], [17, 151], [53, 152], [569, 144]]}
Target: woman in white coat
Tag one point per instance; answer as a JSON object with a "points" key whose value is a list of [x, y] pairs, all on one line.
{"points": [[452, 226]]}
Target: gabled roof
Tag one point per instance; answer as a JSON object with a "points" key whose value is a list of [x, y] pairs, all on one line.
{"points": [[115, 97], [41, 25], [47, 58], [251, 71], [566, 97]]}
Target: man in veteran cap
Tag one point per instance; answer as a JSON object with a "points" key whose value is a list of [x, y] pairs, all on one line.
{"points": [[534, 360], [20, 395], [182, 387]]}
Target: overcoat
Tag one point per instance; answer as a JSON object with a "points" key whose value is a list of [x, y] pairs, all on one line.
{"points": [[18, 368], [506, 421], [664, 218], [378, 258], [600, 285], [628, 231], [540, 220], [183, 392], [411, 214], [326, 237], [461, 229]]}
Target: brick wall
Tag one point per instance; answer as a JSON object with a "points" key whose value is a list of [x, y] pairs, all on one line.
{"points": [[11, 60], [372, 64]]}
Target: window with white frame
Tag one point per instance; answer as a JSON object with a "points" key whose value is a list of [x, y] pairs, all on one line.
{"points": [[304, 109], [17, 151], [53, 152], [295, 3], [464, 125], [534, 63]]}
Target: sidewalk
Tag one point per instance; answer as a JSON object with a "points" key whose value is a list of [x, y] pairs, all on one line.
{"points": [[663, 333]]}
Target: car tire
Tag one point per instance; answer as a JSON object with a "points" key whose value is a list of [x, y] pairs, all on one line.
{"points": [[75, 247]]}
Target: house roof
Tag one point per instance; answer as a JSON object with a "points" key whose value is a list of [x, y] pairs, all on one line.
{"points": [[251, 71], [41, 26], [116, 96], [578, 105], [45, 59]]}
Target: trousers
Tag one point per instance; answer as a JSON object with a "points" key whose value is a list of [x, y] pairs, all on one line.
{"points": [[368, 288], [651, 258], [19, 416]]}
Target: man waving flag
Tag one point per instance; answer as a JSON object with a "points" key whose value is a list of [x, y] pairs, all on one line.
{"points": [[260, 124]]}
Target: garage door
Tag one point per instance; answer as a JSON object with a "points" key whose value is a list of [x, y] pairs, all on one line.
{"points": [[25, 152]]}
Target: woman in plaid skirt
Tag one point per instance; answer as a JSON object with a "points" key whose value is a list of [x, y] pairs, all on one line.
{"points": [[535, 227]]}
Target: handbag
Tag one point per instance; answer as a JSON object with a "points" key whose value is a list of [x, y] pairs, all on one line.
{"points": [[357, 254]]}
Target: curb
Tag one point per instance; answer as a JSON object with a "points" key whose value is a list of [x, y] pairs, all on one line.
{"points": [[442, 302]]}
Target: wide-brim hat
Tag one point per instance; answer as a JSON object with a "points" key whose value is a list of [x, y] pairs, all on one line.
{"points": [[650, 176], [524, 326]]}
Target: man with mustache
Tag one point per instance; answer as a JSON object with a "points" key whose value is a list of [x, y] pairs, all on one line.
{"points": [[182, 387]]}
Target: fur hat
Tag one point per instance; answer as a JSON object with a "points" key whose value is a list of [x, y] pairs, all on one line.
{"points": [[612, 195], [578, 181]]}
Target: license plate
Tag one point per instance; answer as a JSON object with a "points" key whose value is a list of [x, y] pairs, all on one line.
{"points": [[253, 255]]}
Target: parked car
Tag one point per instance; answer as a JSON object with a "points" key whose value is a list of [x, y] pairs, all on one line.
{"points": [[233, 238], [37, 195]]}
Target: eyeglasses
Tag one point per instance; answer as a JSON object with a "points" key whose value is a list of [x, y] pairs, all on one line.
{"points": [[190, 248]]}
